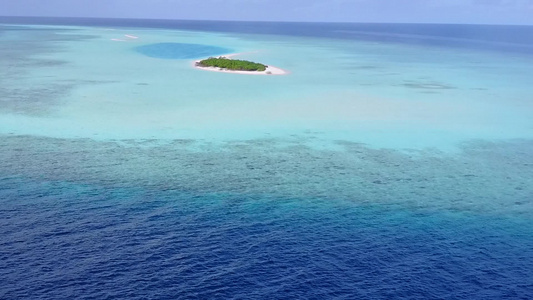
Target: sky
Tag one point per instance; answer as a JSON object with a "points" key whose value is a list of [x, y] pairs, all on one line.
{"points": [[391, 11]]}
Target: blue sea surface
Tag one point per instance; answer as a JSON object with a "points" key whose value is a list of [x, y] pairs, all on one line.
{"points": [[288, 216], [181, 50], [63, 239], [505, 38]]}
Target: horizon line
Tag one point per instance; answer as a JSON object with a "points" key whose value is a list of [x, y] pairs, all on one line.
{"points": [[264, 21]]}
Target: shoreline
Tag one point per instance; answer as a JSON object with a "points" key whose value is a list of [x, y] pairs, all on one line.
{"points": [[270, 70]]}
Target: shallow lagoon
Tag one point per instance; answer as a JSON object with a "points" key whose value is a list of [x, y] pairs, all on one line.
{"points": [[381, 170], [384, 95]]}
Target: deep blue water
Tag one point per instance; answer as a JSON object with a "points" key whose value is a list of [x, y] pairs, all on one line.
{"points": [[62, 239], [84, 219], [501, 38], [181, 50], [90, 220]]}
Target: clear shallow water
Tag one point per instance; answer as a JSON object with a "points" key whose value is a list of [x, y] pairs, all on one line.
{"points": [[386, 169], [392, 95]]}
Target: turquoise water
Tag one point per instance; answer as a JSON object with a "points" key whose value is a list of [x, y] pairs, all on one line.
{"points": [[397, 96], [378, 167], [181, 50]]}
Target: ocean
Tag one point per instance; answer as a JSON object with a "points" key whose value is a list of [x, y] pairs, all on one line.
{"points": [[393, 161]]}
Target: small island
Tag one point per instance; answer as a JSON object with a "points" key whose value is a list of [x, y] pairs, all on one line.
{"points": [[231, 64], [226, 65]]}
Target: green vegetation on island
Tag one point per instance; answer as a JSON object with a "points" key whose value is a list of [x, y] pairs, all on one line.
{"points": [[231, 64]]}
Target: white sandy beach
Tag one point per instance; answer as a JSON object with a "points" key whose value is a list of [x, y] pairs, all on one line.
{"points": [[270, 70]]}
